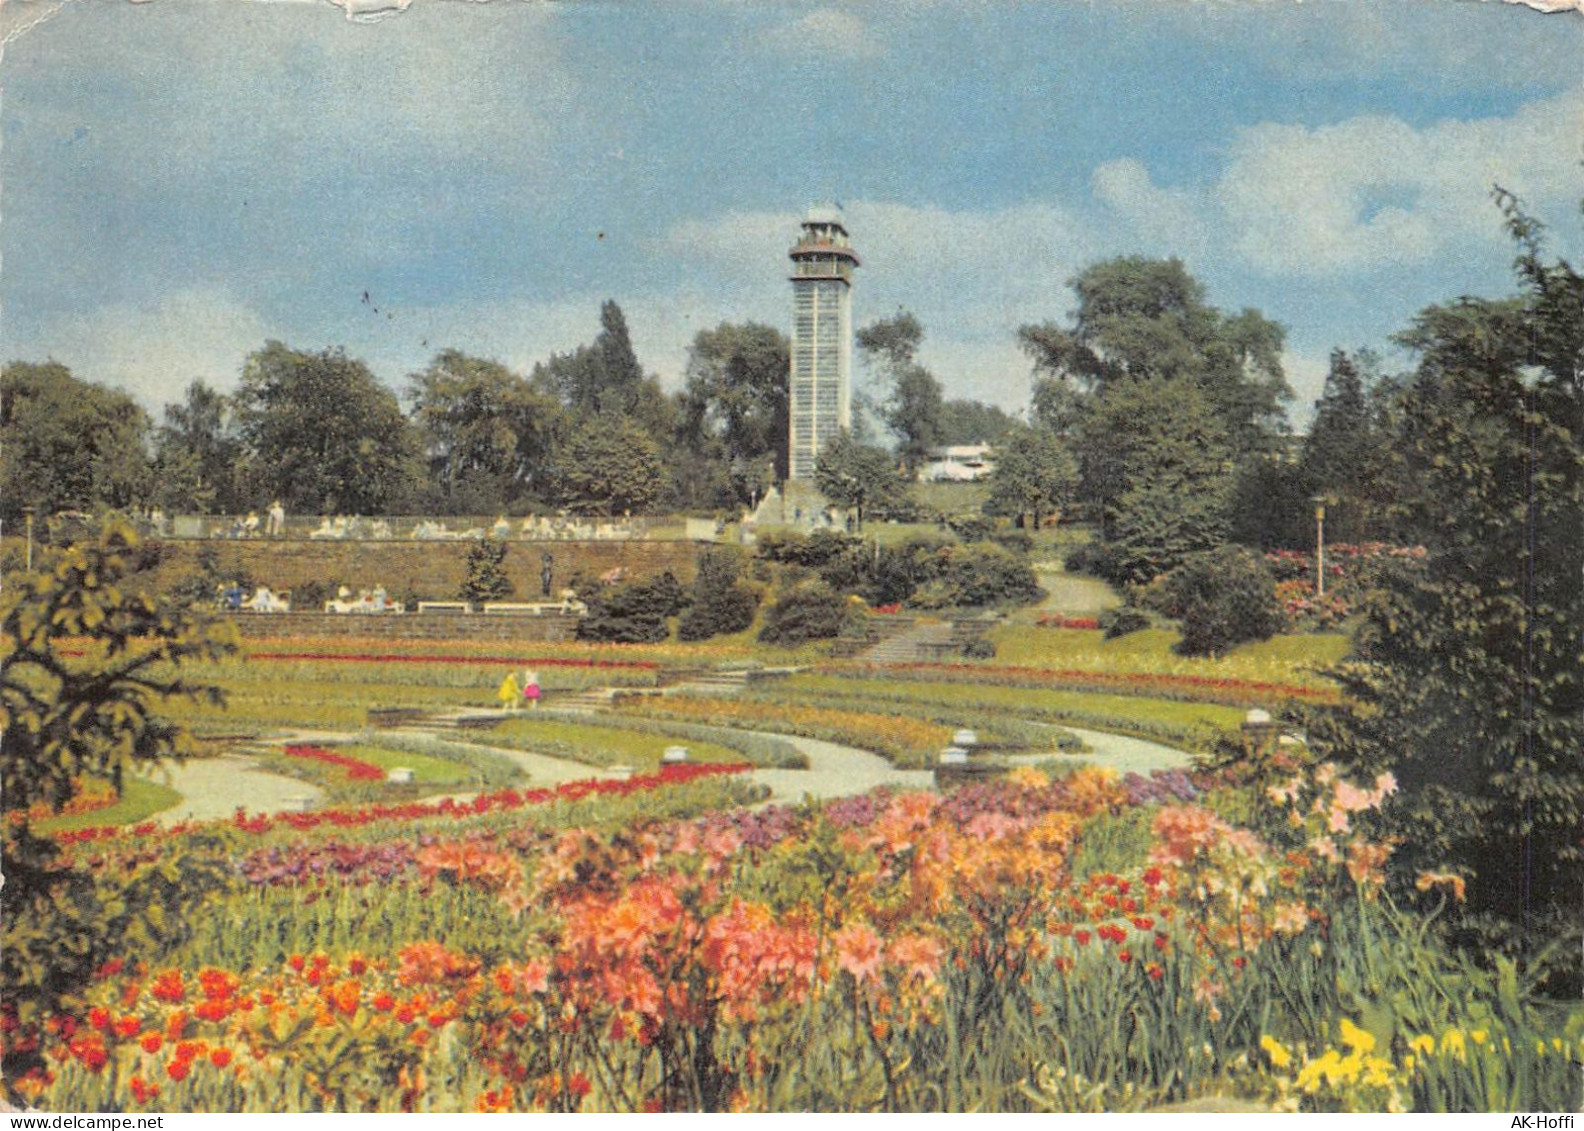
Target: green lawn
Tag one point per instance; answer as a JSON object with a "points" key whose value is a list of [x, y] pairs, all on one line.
{"points": [[1176, 723], [140, 800], [426, 770], [601, 745], [1281, 659]]}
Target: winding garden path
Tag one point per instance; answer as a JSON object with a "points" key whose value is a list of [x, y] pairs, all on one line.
{"points": [[217, 787]]}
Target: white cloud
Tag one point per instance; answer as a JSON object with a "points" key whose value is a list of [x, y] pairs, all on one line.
{"points": [[1159, 220], [826, 33], [1359, 195], [155, 351]]}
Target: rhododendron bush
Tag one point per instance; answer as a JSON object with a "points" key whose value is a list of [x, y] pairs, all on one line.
{"points": [[893, 951]]}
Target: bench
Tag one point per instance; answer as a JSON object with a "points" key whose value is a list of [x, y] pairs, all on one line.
{"points": [[445, 607], [520, 609]]}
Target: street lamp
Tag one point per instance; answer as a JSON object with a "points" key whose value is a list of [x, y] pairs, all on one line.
{"points": [[1320, 506]]}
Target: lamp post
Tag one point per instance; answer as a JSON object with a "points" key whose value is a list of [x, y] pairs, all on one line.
{"points": [[1320, 505], [28, 512]]}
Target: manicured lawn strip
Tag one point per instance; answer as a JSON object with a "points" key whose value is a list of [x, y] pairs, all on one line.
{"points": [[758, 749], [140, 800], [1193, 726], [996, 728], [1283, 661], [426, 770], [905, 741], [597, 745]]}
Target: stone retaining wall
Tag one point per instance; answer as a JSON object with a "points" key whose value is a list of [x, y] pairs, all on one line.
{"points": [[408, 626], [412, 570]]}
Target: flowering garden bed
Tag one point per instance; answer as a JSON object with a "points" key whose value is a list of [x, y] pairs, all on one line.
{"points": [[885, 952], [501, 801]]}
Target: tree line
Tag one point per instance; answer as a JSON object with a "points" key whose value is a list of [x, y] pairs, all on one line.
{"points": [[587, 430]]}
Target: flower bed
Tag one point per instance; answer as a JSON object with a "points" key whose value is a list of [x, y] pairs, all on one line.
{"points": [[891, 952], [1056, 620], [355, 817], [356, 769]]}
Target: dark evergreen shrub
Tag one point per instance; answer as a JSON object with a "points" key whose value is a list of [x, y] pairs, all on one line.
{"points": [[812, 611], [721, 603], [1225, 597]]}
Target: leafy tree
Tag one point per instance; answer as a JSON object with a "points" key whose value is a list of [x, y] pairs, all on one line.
{"points": [[1035, 475], [1467, 683], [855, 475], [320, 432], [892, 342], [1224, 597], [478, 421], [609, 466], [601, 378], [68, 444], [1158, 463], [972, 422], [736, 395], [198, 454], [68, 715], [913, 402], [487, 579], [721, 602], [913, 411], [1147, 318]]}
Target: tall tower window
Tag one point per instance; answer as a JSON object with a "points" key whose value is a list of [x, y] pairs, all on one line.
{"points": [[819, 384]]}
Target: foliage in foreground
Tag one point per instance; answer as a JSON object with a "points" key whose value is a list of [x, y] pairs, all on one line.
{"points": [[64, 722]]}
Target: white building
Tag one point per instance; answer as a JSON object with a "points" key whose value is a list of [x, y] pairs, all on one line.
{"points": [[958, 463], [820, 382]]}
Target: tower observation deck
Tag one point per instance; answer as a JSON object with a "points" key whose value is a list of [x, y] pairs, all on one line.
{"points": [[819, 389]]}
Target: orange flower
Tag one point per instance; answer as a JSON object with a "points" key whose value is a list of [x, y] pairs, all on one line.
{"points": [[151, 1042], [168, 986], [858, 951], [220, 1057]]}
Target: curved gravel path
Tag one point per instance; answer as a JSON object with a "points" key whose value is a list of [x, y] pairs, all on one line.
{"points": [[1118, 752], [217, 787], [214, 788]]}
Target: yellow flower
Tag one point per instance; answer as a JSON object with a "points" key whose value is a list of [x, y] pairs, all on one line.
{"points": [[1355, 1038], [1478, 1036], [1424, 1043], [1452, 1041], [1279, 1056]]}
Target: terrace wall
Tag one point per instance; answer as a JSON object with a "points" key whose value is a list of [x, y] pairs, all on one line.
{"points": [[410, 626], [409, 569]]}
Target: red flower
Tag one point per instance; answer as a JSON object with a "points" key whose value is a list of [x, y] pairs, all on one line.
{"points": [[151, 1042], [177, 1069], [99, 1018], [1124, 956], [1082, 937], [220, 1057]]}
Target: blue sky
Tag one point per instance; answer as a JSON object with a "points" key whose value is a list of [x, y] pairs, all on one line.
{"points": [[181, 180]]}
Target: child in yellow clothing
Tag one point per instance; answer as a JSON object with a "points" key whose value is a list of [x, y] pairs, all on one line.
{"points": [[509, 691]]}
